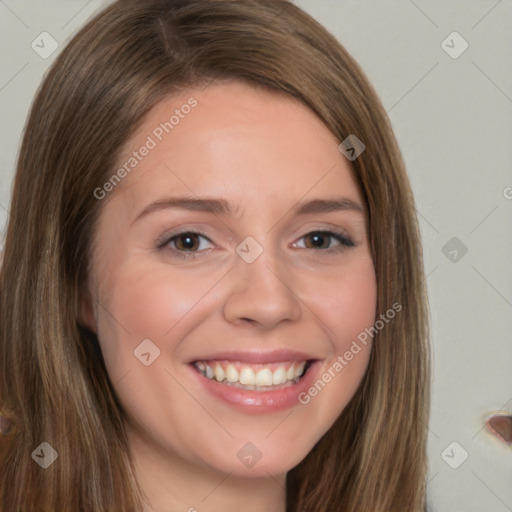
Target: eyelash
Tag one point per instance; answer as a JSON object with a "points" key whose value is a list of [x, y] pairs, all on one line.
{"points": [[344, 241]]}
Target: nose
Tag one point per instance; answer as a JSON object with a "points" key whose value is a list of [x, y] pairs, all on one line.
{"points": [[261, 293]]}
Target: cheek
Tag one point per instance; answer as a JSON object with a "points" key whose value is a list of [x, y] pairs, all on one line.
{"points": [[346, 305], [345, 300], [149, 301], [141, 300]]}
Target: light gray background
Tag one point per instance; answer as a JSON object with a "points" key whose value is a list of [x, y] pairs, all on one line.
{"points": [[452, 118]]}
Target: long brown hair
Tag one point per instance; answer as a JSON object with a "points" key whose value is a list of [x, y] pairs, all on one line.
{"points": [[54, 384]]}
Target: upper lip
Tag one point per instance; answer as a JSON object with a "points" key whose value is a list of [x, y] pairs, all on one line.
{"points": [[257, 357]]}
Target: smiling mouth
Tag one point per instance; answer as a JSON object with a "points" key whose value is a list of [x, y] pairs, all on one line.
{"points": [[253, 377]]}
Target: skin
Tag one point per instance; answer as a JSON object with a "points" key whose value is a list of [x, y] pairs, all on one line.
{"points": [[264, 153]]}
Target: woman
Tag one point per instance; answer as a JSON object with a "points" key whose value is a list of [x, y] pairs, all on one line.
{"points": [[212, 293]]}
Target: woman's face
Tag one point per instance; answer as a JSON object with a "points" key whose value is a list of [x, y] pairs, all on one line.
{"points": [[230, 257]]}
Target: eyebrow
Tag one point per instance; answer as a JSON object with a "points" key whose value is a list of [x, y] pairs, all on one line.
{"points": [[222, 207]]}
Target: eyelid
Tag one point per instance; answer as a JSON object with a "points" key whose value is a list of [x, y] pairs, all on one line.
{"points": [[165, 240], [168, 235], [345, 241]]}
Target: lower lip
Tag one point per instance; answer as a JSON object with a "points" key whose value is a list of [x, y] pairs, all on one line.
{"points": [[258, 402]]}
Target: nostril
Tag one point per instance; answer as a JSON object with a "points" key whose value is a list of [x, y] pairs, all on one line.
{"points": [[501, 426]]}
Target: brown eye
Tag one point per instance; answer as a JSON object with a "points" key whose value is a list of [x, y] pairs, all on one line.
{"points": [[323, 240], [186, 241], [318, 240], [187, 244]]}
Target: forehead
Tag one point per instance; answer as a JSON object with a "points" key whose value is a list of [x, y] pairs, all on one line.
{"points": [[232, 139]]}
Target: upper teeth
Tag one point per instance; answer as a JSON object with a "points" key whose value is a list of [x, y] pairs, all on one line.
{"points": [[256, 375]]}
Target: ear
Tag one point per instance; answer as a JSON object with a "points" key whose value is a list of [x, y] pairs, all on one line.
{"points": [[86, 311]]}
